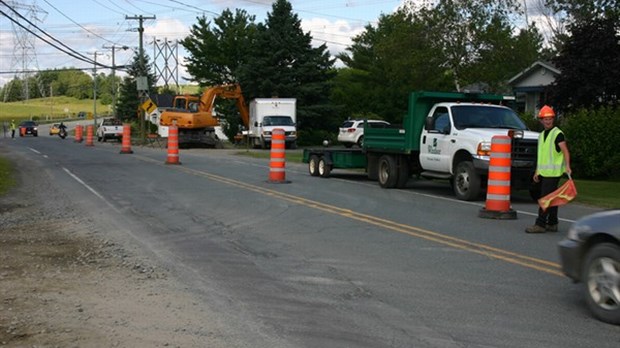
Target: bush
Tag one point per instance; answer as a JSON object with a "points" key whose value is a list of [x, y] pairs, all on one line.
{"points": [[593, 137]]}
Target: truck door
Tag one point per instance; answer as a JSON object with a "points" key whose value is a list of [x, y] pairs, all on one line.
{"points": [[436, 143]]}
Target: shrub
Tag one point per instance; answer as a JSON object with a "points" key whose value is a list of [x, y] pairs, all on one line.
{"points": [[593, 137]]}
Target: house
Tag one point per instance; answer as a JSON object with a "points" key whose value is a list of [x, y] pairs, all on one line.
{"points": [[530, 84]]}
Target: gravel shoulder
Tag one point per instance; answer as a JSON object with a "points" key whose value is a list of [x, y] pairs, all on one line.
{"points": [[62, 284]]}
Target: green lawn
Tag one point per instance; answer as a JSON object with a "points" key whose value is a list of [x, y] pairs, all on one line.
{"points": [[7, 177], [55, 108]]}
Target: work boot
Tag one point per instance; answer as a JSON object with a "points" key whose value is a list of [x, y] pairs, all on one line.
{"points": [[535, 229], [551, 228]]}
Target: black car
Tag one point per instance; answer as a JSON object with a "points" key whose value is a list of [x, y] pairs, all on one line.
{"points": [[591, 254], [28, 127]]}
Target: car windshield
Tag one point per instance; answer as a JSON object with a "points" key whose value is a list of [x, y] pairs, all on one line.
{"points": [[475, 116], [347, 124], [29, 123], [278, 121]]}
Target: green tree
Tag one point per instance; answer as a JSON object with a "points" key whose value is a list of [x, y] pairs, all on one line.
{"points": [[387, 63], [283, 63], [218, 50], [590, 66], [455, 26], [128, 101]]}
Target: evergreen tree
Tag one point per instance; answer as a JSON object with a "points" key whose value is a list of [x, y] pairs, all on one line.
{"points": [[283, 63], [128, 102], [590, 66]]}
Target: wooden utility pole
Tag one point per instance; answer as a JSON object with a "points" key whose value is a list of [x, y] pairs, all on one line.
{"points": [[142, 90]]}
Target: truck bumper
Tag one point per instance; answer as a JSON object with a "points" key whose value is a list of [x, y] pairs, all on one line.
{"points": [[520, 173]]}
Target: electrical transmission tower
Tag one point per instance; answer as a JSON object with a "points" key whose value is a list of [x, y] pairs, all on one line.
{"points": [[166, 61], [24, 61]]}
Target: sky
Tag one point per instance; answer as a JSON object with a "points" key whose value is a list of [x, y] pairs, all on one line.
{"points": [[98, 26]]}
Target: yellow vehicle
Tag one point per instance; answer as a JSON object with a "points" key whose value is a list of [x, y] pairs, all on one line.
{"points": [[54, 129], [194, 116]]}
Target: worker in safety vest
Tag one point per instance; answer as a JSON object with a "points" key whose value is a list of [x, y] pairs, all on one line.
{"points": [[13, 129], [553, 162]]}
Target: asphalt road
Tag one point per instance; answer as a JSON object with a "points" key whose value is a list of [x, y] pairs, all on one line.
{"points": [[334, 262]]}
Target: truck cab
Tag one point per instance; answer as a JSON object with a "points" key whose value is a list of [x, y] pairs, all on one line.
{"points": [[267, 114]]}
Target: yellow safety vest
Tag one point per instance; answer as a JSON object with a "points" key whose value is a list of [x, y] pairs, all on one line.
{"points": [[550, 162]]}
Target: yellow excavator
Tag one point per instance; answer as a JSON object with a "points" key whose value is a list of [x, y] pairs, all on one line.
{"points": [[194, 115]]}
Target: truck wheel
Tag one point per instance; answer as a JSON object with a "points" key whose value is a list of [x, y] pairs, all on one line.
{"points": [[313, 165], [388, 171], [324, 169], [466, 182], [600, 275]]}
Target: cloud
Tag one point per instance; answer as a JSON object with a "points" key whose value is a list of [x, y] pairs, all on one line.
{"points": [[336, 35]]}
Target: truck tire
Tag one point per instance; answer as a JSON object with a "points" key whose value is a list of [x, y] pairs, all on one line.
{"points": [[388, 171], [313, 165], [323, 168], [466, 182]]}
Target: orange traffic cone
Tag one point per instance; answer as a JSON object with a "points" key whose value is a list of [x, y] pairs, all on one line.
{"points": [[173, 144], [498, 188], [89, 135], [78, 134], [126, 146], [277, 164]]}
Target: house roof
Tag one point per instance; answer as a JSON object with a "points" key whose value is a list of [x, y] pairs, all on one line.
{"points": [[533, 68]]}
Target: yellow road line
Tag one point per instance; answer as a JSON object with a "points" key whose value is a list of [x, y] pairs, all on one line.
{"points": [[478, 248]]}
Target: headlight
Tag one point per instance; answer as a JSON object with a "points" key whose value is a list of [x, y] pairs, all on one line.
{"points": [[576, 229], [484, 149]]}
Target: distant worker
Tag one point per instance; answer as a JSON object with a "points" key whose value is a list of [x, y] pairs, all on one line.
{"points": [[62, 126], [553, 162], [13, 129]]}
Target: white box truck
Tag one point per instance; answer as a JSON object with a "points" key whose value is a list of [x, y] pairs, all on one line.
{"points": [[267, 114]]}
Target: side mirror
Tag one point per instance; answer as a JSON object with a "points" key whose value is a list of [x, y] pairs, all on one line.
{"points": [[429, 124]]}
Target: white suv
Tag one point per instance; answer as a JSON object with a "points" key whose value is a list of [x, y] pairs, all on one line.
{"points": [[352, 131]]}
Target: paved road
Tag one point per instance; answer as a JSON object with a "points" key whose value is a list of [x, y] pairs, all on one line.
{"points": [[334, 262]]}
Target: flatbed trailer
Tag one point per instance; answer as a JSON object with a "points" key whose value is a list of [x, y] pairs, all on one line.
{"points": [[321, 161]]}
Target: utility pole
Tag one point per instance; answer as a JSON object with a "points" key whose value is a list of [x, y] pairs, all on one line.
{"points": [[142, 90], [114, 85], [95, 92]]}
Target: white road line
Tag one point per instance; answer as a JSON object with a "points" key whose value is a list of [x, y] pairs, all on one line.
{"points": [[90, 189]]}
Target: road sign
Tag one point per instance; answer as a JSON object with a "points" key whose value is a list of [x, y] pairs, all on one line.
{"points": [[148, 106]]}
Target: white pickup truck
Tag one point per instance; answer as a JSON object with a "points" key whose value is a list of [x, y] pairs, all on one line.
{"points": [[110, 128]]}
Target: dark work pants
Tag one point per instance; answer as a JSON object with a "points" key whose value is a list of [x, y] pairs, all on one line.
{"points": [[550, 216]]}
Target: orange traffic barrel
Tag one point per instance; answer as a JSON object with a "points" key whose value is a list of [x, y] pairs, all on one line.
{"points": [[498, 188], [78, 134], [173, 144], [126, 145], [277, 163], [89, 135], [22, 131]]}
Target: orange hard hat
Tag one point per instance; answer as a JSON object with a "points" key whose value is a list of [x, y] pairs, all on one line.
{"points": [[546, 111]]}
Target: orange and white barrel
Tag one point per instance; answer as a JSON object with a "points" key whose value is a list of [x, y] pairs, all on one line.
{"points": [[497, 205]]}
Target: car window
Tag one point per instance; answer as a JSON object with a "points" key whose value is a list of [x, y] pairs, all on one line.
{"points": [[347, 124]]}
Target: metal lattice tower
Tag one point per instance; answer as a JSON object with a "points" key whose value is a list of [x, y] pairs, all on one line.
{"points": [[24, 60], [166, 61]]}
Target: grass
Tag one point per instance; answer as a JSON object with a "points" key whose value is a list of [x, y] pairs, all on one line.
{"points": [[604, 194], [54, 108], [7, 176]]}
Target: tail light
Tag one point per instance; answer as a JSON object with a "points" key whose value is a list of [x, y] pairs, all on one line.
{"points": [[351, 130]]}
